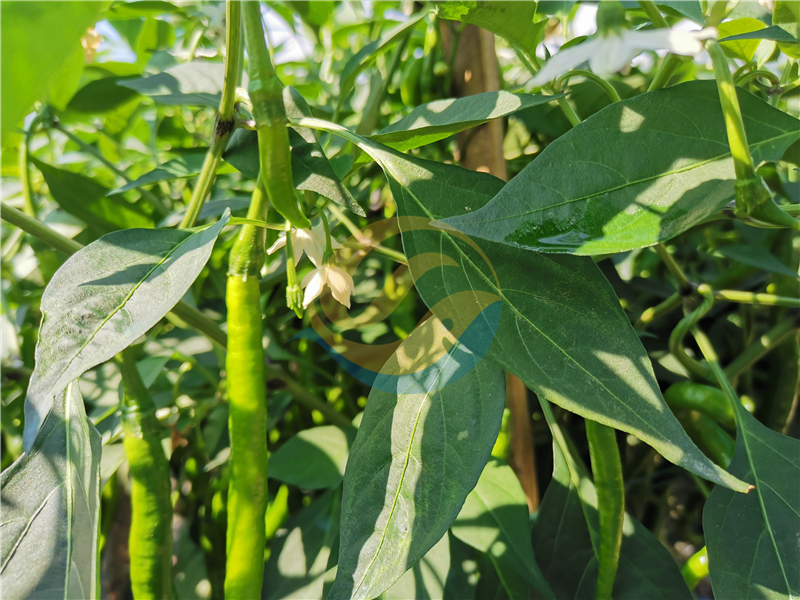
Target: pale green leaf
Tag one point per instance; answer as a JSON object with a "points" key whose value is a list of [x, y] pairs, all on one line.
{"points": [[104, 297], [786, 14], [510, 20], [38, 42], [437, 120], [51, 505]]}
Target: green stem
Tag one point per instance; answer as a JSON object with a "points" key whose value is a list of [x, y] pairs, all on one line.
{"points": [[773, 338], [608, 481], [266, 94], [676, 341], [25, 171], [659, 310], [565, 106], [748, 77], [669, 65], [652, 12], [225, 122], [756, 299], [695, 569], [602, 83], [38, 230], [294, 293], [684, 285], [150, 542]]}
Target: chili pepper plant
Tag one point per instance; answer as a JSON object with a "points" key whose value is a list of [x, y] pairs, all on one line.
{"points": [[400, 299]]}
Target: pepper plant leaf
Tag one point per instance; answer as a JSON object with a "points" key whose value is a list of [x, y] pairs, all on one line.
{"points": [[561, 329], [425, 436], [437, 120], [104, 297], [566, 534], [494, 520], [51, 505], [759, 557], [633, 175]]}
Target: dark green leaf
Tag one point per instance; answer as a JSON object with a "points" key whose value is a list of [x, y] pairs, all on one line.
{"points": [[566, 531], [419, 451], [638, 172], [755, 256], [510, 20], [561, 329], [86, 199], [495, 521], [38, 41], [752, 538], [313, 459], [769, 33], [101, 95], [51, 505], [144, 8], [104, 297], [442, 118]]}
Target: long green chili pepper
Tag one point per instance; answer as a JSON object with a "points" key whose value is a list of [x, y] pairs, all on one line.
{"points": [[247, 397], [607, 475], [266, 94], [150, 542], [715, 439]]}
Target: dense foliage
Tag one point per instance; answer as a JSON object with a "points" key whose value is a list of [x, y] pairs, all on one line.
{"points": [[265, 288]]}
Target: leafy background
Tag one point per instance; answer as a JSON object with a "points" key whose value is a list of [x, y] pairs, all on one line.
{"points": [[123, 132]]}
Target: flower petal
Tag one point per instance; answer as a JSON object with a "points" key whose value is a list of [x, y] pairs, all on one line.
{"points": [[612, 55], [280, 243], [313, 284], [341, 285], [563, 62]]}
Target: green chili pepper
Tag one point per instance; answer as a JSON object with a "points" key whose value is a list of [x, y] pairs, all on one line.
{"points": [[696, 568], [703, 398], [266, 94], [247, 397], [718, 442], [150, 542], [607, 475]]}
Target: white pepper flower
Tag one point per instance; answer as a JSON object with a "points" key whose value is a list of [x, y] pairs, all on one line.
{"points": [[336, 278], [310, 241]]}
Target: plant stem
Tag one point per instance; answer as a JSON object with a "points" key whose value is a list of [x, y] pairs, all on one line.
{"points": [[684, 285], [776, 335], [608, 481], [756, 299], [670, 62], [659, 310], [25, 171], [38, 230], [602, 83], [225, 122], [676, 341], [150, 542]]}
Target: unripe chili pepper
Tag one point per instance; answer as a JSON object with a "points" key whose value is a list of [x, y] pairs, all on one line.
{"points": [[247, 398], [266, 94], [696, 568], [718, 442], [150, 542], [703, 398], [607, 475]]}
